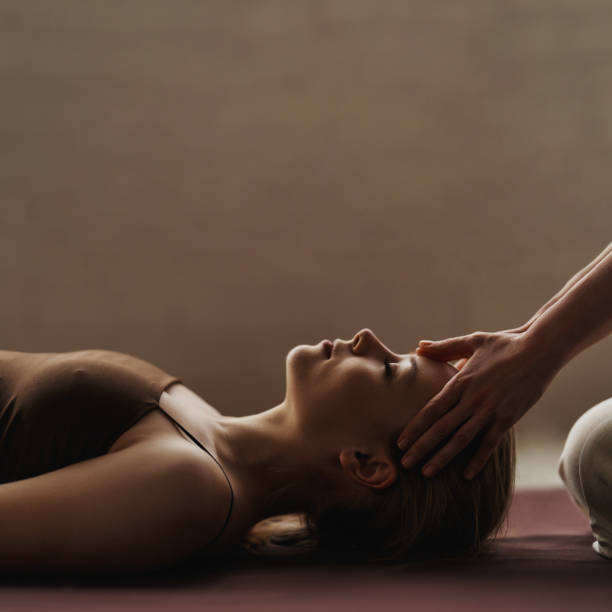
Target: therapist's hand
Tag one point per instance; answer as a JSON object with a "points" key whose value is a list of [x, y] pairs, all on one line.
{"points": [[502, 375]]}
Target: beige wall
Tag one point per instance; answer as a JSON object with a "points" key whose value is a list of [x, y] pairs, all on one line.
{"points": [[206, 185]]}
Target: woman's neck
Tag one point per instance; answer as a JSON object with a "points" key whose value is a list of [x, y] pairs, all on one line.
{"points": [[268, 462]]}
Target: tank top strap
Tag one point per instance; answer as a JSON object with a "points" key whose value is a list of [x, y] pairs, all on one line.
{"points": [[215, 460]]}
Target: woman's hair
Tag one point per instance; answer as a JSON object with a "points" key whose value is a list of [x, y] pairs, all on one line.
{"points": [[444, 516]]}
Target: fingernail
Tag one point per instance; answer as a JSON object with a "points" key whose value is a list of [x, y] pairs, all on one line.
{"points": [[425, 342], [428, 470], [407, 461], [401, 444]]}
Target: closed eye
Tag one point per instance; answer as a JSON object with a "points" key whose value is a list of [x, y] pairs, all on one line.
{"points": [[388, 369]]}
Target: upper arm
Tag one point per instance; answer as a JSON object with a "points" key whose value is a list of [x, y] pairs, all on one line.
{"points": [[133, 509]]}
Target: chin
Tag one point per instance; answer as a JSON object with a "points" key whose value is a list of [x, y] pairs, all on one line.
{"points": [[301, 358], [299, 354]]}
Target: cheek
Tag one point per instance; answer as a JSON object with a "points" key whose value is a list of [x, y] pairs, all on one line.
{"points": [[326, 385], [342, 388]]}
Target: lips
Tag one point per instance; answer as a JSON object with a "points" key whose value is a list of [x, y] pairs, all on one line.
{"points": [[327, 347]]}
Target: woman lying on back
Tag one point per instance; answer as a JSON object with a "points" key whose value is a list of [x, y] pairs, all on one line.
{"points": [[152, 497]]}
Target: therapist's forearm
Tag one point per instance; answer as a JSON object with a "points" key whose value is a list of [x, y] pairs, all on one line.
{"points": [[570, 283], [579, 318]]}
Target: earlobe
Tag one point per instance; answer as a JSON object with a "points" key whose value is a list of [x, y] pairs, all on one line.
{"points": [[367, 469]]}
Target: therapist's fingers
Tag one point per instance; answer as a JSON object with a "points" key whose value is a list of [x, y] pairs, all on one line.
{"points": [[436, 407], [462, 437], [451, 348], [487, 446], [461, 362]]}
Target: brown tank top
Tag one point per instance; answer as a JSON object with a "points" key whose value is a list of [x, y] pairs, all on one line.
{"points": [[60, 408]]}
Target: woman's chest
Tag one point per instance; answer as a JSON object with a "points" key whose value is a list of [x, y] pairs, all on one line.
{"points": [[182, 405]]}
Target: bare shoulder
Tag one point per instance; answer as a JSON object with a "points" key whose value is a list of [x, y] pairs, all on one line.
{"points": [[206, 490], [145, 506], [201, 494]]}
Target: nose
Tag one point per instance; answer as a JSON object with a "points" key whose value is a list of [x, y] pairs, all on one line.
{"points": [[360, 344], [364, 339]]}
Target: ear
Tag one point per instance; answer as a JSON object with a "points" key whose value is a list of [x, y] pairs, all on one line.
{"points": [[367, 468]]}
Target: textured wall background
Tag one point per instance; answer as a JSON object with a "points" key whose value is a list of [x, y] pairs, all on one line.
{"points": [[206, 185]]}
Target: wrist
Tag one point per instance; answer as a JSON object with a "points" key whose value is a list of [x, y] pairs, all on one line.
{"points": [[521, 328], [542, 339]]}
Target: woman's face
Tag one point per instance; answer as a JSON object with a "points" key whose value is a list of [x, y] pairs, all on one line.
{"points": [[351, 395]]}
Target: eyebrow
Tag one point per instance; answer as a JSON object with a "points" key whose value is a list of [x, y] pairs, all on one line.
{"points": [[414, 368]]}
